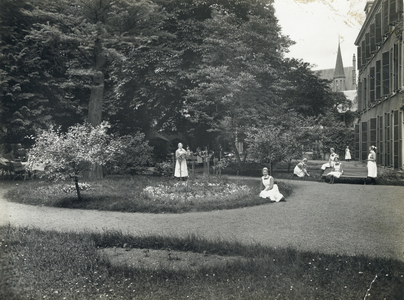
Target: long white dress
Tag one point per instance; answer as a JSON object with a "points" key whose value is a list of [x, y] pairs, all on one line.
{"points": [[181, 169], [347, 154], [372, 167], [273, 193], [337, 171]]}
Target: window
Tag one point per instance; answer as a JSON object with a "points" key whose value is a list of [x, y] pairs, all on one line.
{"points": [[363, 53], [386, 74], [357, 141], [372, 85], [385, 23], [364, 140], [393, 14], [378, 29], [380, 139], [378, 79], [387, 137], [396, 68], [396, 139], [364, 94], [360, 100], [359, 57], [372, 38], [373, 131], [367, 39]]}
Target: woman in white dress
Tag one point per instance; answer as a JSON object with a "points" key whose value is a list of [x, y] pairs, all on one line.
{"points": [[347, 154], [300, 169], [269, 189], [372, 167], [337, 171], [330, 163], [181, 169]]}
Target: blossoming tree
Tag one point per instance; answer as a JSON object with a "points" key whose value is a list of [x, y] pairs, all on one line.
{"points": [[69, 155]]}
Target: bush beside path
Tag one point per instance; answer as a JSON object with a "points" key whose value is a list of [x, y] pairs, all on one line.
{"points": [[341, 218]]}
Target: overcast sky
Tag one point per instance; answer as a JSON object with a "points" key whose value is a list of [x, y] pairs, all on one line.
{"points": [[315, 26]]}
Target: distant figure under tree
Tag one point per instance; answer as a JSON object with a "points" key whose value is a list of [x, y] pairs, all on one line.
{"points": [[347, 154]]}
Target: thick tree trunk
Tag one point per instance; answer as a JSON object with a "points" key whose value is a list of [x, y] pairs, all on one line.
{"points": [[96, 99]]}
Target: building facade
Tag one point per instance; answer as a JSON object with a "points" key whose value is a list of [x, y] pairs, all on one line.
{"points": [[381, 83]]}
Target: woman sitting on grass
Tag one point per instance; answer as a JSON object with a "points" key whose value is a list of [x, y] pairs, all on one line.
{"points": [[337, 171], [301, 169], [269, 189]]}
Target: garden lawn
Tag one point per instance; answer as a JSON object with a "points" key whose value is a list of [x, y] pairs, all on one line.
{"points": [[146, 194], [39, 264]]}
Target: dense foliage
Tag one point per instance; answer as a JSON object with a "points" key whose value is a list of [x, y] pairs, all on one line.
{"points": [[132, 155], [211, 70]]}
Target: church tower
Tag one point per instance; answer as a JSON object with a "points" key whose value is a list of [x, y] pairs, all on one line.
{"points": [[339, 74]]}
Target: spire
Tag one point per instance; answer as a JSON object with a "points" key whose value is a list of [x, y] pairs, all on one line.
{"points": [[339, 67]]}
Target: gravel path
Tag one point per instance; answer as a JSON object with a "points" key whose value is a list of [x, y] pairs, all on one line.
{"points": [[341, 218]]}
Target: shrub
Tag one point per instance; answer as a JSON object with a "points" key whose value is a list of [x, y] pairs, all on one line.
{"points": [[132, 157]]}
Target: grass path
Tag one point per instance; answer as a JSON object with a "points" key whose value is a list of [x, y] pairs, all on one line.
{"points": [[341, 218]]}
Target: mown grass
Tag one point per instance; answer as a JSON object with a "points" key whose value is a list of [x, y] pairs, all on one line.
{"points": [[126, 194], [51, 265]]}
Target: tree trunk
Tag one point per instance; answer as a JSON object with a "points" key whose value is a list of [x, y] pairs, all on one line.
{"points": [[239, 163], [96, 99], [76, 182]]}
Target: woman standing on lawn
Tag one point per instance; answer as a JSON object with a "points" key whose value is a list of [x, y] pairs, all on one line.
{"points": [[337, 172], [372, 167], [347, 154], [181, 169], [269, 189]]}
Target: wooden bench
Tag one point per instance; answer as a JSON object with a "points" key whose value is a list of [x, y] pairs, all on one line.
{"points": [[351, 171]]}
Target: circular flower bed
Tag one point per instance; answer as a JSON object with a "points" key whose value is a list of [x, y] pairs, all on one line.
{"points": [[194, 190]]}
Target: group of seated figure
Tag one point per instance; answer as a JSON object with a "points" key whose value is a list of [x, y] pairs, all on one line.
{"points": [[300, 169]]}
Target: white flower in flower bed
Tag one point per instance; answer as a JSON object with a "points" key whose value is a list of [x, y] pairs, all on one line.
{"points": [[56, 189], [83, 186], [195, 190]]}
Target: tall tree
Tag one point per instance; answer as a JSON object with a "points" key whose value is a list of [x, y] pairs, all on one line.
{"points": [[306, 92], [237, 84], [93, 38], [29, 97]]}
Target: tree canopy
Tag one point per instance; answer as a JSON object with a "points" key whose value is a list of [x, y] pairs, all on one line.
{"points": [[212, 67]]}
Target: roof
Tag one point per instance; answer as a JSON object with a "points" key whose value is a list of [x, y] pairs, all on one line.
{"points": [[339, 66], [329, 75]]}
